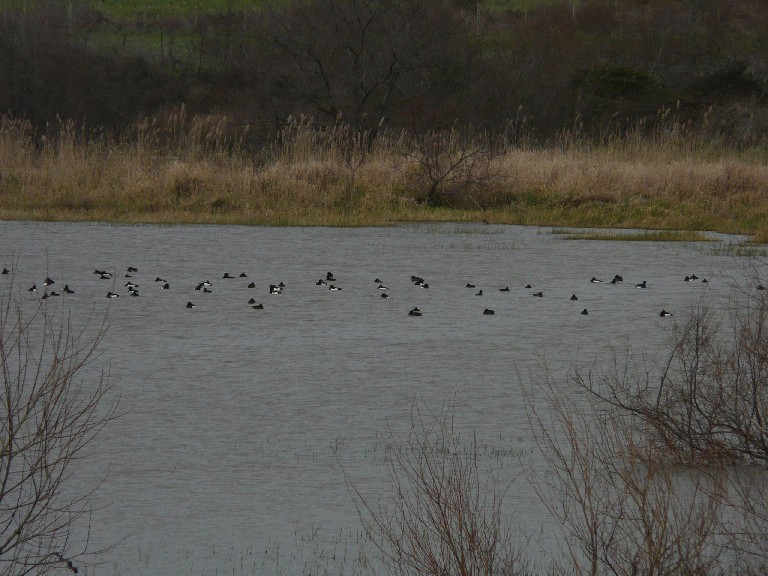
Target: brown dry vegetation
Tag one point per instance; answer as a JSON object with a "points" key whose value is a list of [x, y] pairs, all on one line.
{"points": [[174, 168]]}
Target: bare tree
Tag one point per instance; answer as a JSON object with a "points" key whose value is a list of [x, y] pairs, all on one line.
{"points": [[47, 417], [444, 516], [361, 60]]}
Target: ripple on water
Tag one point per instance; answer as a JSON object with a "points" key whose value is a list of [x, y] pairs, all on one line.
{"points": [[232, 413]]}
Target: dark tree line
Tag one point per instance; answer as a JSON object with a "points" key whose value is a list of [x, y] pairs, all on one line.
{"points": [[591, 66]]}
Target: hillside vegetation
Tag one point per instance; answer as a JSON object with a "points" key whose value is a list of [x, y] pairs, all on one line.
{"points": [[583, 66]]}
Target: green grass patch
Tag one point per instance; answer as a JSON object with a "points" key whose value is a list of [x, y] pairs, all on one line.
{"points": [[120, 9], [635, 235], [741, 250]]}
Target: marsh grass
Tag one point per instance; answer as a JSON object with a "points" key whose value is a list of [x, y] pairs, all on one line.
{"points": [[173, 168], [741, 249], [636, 236]]}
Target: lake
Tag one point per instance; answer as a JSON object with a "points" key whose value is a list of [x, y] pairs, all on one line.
{"points": [[241, 424]]}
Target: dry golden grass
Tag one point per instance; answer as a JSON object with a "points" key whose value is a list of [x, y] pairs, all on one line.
{"points": [[192, 170]]}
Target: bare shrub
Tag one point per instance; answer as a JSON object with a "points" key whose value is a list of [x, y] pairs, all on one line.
{"points": [[47, 418], [449, 164], [444, 516], [710, 402], [660, 472], [623, 509], [746, 524]]}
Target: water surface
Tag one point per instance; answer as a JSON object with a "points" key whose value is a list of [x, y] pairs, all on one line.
{"points": [[238, 421]]}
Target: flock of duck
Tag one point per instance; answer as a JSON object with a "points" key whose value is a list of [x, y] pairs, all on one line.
{"points": [[328, 280]]}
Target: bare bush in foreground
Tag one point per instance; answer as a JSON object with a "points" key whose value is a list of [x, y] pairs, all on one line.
{"points": [[665, 476], [443, 517], [47, 417], [710, 402], [623, 509]]}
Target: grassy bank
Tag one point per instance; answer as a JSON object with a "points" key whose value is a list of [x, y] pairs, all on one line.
{"points": [[175, 169]]}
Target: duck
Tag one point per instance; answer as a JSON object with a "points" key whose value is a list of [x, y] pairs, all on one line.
{"points": [[190, 305], [68, 290], [258, 307], [243, 275], [527, 286], [642, 284], [133, 292], [574, 297], [321, 282], [479, 293], [760, 287], [48, 281], [384, 295], [539, 294], [112, 295], [334, 288], [422, 284], [665, 314], [251, 301], [275, 289], [227, 275], [505, 289], [165, 286], [417, 279], [377, 281], [6, 271], [382, 287], [617, 278], [329, 276], [584, 312], [158, 279], [132, 269], [33, 288], [105, 276], [252, 285], [414, 312], [207, 290], [595, 280], [470, 285], [489, 312]]}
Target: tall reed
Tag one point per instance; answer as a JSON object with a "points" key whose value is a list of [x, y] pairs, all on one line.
{"points": [[174, 167]]}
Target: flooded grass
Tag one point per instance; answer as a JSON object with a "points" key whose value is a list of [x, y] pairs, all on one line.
{"points": [[742, 249], [636, 235]]}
